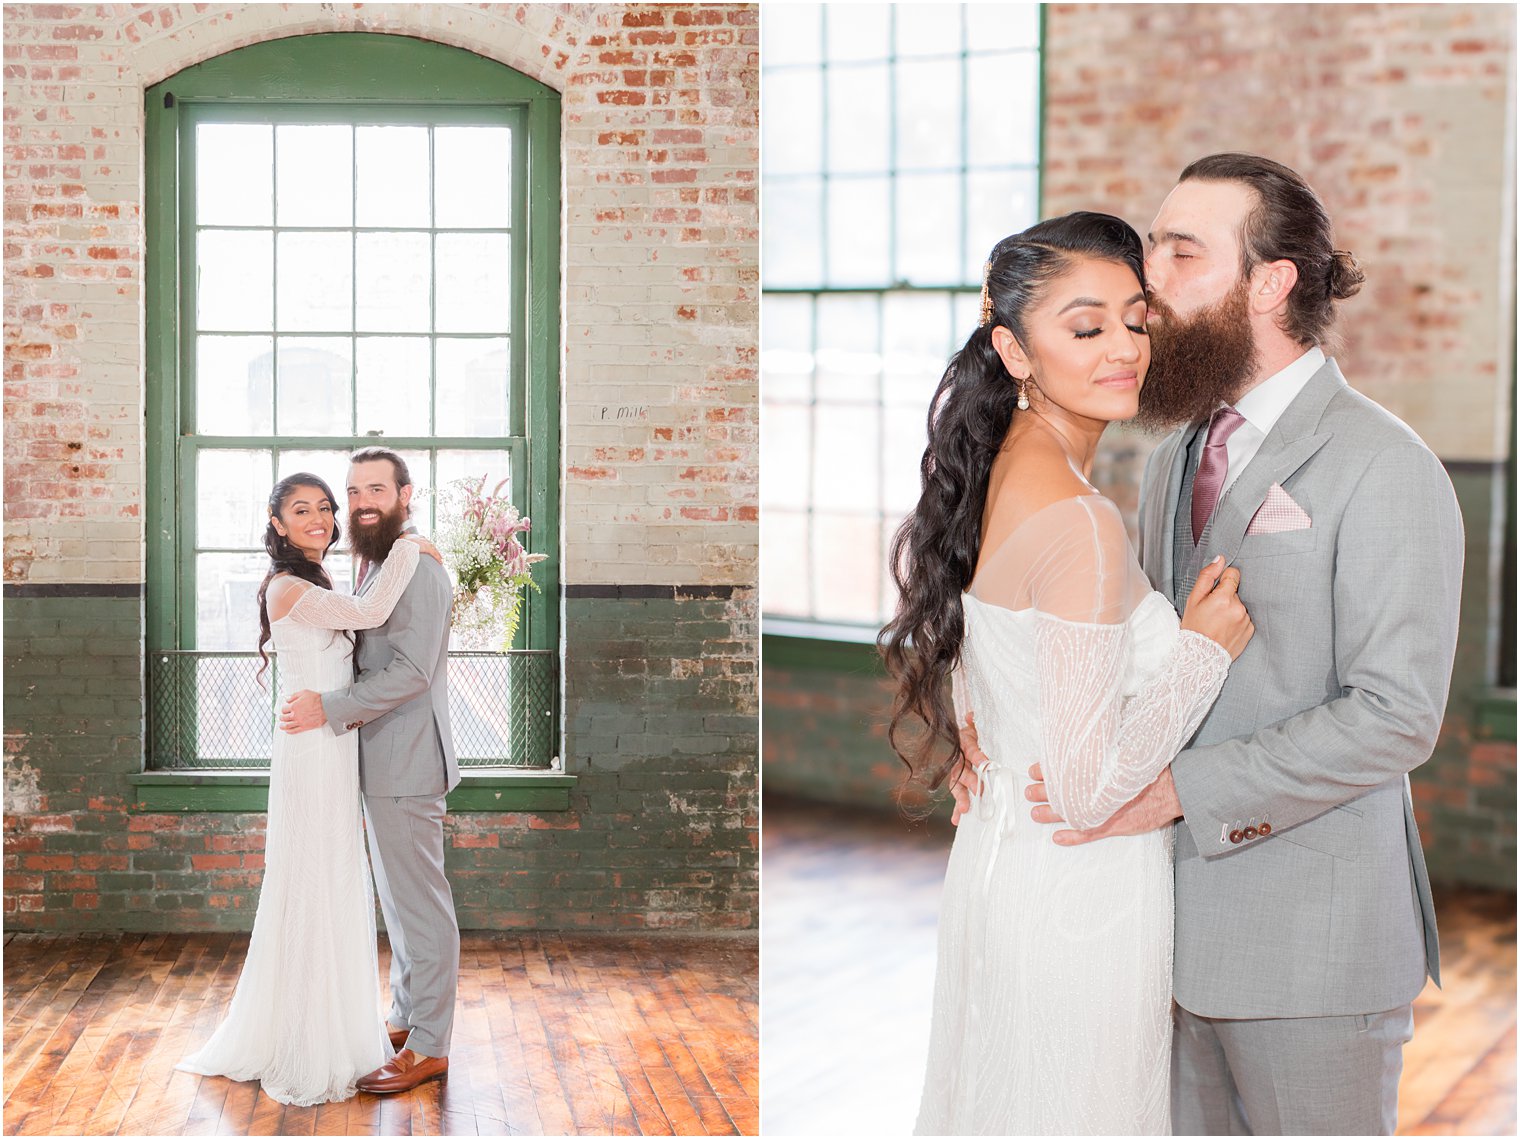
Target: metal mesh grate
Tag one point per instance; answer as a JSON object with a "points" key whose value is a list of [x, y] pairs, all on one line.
{"points": [[208, 709]]}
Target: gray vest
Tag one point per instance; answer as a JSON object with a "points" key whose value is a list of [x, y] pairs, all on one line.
{"points": [[1186, 556]]}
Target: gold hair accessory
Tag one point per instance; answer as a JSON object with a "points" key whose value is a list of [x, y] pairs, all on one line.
{"points": [[986, 296]]}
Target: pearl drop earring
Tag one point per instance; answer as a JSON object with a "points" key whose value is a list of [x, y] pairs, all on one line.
{"points": [[1023, 395]]}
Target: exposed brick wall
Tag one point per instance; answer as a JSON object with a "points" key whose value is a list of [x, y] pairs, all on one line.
{"points": [[1396, 113], [659, 445]]}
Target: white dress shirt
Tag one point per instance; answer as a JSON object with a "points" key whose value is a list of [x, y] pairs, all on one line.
{"points": [[1262, 407]]}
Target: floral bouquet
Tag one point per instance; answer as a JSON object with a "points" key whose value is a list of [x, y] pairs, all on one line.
{"points": [[478, 537]]}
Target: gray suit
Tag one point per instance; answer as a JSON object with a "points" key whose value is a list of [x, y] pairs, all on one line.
{"points": [[406, 768], [1298, 951]]}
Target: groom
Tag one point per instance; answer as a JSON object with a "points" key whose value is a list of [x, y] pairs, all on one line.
{"points": [[1304, 922], [400, 706]]}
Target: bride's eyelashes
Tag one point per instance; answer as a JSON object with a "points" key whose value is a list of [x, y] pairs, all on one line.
{"points": [[1139, 330]]}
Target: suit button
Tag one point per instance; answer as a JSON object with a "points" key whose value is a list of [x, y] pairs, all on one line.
{"points": [[1236, 836], [1250, 832], [1265, 829]]}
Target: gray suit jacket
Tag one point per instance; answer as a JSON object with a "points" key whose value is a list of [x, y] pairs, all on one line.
{"points": [[402, 692], [1340, 693]]}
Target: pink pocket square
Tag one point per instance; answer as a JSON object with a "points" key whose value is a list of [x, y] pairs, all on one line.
{"points": [[1278, 514]]}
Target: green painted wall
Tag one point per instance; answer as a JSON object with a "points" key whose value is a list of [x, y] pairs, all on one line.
{"points": [[660, 830]]}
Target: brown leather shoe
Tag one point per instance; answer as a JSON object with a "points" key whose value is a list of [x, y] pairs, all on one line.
{"points": [[398, 1035], [404, 1073]]}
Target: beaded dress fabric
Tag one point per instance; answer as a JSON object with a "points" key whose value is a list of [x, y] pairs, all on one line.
{"points": [[305, 1019], [1052, 998]]}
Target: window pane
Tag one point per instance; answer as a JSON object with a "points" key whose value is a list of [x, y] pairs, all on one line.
{"points": [[314, 175], [997, 204], [234, 281], [474, 282], [391, 378], [473, 381], [792, 233], [928, 230], [888, 607], [918, 335], [848, 362], [858, 246], [858, 107], [231, 498], [495, 466], [846, 457], [905, 442], [968, 313], [791, 127], [226, 600], [784, 572], [859, 31], [993, 26], [393, 282], [316, 282], [234, 174], [790, 34], [785, 451], [394, 187], [331, 466], [472, 176], [1003, 110], [234, 389], [846, 567], [786, 356], [313, 389], [928, 29], [929, 114]]}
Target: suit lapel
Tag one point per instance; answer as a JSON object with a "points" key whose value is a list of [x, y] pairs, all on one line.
{"points": [[1161, 510], [1290, 444]]}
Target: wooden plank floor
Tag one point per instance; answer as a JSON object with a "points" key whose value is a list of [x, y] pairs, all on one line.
{"points": [[555, 1034], [849, 906]]}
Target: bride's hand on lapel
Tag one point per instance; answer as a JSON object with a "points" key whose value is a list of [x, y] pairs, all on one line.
{"points": [[1155, 807]]}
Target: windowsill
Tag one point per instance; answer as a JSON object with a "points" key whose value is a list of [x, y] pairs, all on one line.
{"points": [[1494, 715], [494, 789]]}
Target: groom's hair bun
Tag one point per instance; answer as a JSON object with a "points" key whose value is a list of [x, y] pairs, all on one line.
{"points": [[1288, 223], [1346, 275]]}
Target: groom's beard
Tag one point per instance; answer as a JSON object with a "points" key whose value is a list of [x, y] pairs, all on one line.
{"points": [[1197, 362], [373, 542]]}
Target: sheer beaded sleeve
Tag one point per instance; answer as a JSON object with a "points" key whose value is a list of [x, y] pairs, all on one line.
{"points": [[327, 609], [1074, 567]]}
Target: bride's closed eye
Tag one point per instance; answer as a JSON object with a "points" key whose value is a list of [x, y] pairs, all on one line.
{"points": [[1138, 329]]}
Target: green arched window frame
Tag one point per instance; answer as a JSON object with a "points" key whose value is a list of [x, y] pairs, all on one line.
{"points": [[363, 78]]}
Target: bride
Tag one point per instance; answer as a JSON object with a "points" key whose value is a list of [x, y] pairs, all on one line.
{"points": [[1017, 582], [305, 1018]]}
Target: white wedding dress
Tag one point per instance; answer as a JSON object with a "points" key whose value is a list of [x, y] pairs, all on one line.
{"points": [[305, 1019], [1052, 1001]]}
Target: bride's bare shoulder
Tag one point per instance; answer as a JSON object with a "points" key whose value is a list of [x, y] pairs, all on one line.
{"points": [[1027, 479], [284, 591]]}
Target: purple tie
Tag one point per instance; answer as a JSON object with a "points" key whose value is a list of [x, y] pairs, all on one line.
{"points": [[1211, 470]]}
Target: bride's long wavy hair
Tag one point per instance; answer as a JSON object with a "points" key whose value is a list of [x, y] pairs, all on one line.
{"points": [[934, 551], [284, 557]]}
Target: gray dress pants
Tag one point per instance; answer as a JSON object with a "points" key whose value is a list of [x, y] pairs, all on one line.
{"points": [[1317, 1075], [406, 851]]}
